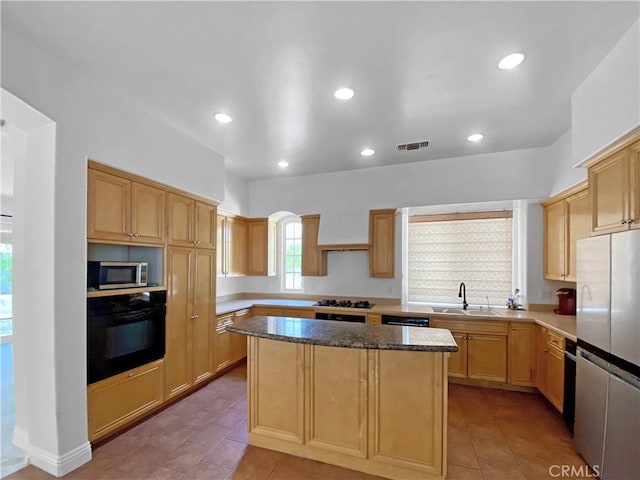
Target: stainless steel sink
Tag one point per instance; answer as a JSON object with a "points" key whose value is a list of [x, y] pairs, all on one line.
{"points": [[482, 313], [457, 311]]}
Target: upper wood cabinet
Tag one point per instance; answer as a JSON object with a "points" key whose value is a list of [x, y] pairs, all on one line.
{"points": [[232, 245], [191, 223], [261, 254], [314, 260], [382, 236], [122, 210], [614, 183], [567, 219]]}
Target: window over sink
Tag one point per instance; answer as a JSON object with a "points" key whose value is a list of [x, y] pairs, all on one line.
{"points": [[446, 249]]}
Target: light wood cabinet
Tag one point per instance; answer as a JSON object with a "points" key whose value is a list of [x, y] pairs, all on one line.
{"points": [[374, 318], [382, 228], [550, 366], [298, 312], [268, 311], [189, 322], [314, 260], [121, 399], [123, 210], [567, 219], [614, 182], [231, 245], [522, 354], [238, 341], [191, 223], [482, 349], [224, 345], [261, 253]]}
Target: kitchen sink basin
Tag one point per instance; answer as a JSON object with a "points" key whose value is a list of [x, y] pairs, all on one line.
{"points": [[482, 313], [459, 311]]}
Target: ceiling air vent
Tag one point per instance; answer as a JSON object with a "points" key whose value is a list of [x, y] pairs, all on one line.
{"points": [[413, 146]]}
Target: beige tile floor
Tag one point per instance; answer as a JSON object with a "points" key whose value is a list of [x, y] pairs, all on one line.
{"points": [[493, 434]]}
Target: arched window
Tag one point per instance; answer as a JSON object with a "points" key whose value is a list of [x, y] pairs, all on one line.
{"points": [[291, 253]]}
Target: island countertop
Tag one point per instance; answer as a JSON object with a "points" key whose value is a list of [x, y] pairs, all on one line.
{"points": [[331, 333]]}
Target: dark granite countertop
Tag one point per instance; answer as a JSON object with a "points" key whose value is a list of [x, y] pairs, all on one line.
{"points": [[331, 333]]}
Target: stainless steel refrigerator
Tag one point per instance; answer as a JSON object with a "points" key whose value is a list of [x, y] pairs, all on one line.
{"points": [[607, 421]]}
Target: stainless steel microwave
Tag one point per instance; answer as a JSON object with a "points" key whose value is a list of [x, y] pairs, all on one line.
{"points": [[111, 275]]}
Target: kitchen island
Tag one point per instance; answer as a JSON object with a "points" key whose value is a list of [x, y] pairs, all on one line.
{"points": [[371, 398]]}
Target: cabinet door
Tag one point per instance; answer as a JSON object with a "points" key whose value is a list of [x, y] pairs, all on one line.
{"points": [[178, 322], [203, 287], [522, 354], [108, 207], [147, 213], [541, 360], [181, 220], [239, 342], [487, 357], [221, 247], [224, 346], [634, 187], [555, 377], [268, 311], [205, 224], [300, 312], [608, 188], [236, 246], [314, 262], [257, 246], [118, 400], [382, 250], [578, 217], [457, 364], [554, 238]]}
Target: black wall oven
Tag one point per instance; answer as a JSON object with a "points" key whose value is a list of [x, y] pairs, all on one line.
{"points": [[124, 332]]}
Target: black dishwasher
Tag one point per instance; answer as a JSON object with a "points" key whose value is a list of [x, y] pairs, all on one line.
{"points": [[405, 321], [569, 404]]}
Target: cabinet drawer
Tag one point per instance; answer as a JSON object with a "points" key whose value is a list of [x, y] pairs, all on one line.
{"points": [[496, 328], [117, 401], [267, 311], [224, 320], [299, 312], [555, 341]]}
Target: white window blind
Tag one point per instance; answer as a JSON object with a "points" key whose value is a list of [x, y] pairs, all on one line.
{"points": [[445, 250]]}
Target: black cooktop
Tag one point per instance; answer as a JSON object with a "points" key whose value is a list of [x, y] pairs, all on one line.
{"points": [[332, 302]]}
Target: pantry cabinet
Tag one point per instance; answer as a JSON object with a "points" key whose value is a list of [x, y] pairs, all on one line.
{"points": [[482, 349], [314, 260], [123, 210], [382, 236], [190, 339], [567, 219], [191, 223], [231, 245], [614, 182], [522, 354]]}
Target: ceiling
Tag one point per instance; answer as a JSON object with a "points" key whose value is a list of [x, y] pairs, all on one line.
{"points": [[420, 70]]}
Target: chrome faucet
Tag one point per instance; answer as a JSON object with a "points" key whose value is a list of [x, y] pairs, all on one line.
{"points": [[462, 293]]}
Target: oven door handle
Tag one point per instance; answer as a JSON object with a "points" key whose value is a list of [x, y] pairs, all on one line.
{"points": [[135, 315]]}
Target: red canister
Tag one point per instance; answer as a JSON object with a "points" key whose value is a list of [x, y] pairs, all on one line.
{"points": [[566, 301]]}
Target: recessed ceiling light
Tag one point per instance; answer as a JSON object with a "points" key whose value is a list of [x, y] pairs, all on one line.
{"points": [[223, 118], [476, 137], [367, 152], [344, 93], [283, 164], [511, 61]]}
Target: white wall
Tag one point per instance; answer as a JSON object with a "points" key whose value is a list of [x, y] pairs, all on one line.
{"points": [[91, 123], [343, 200], [565, 173], [607, 104]]}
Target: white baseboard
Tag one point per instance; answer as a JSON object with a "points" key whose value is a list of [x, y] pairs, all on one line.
{"points": [[59, 465], [20, 438]]}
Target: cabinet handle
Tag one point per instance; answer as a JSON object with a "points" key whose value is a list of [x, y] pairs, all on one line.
{"points": [[194, 317], [131, 374], [136, 235], [469, 338], [630, 221], [129, 235], [197, 242], [623, 222], [545, 350]]}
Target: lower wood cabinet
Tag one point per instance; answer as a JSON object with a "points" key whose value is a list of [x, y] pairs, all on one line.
{"points": [[268, 311], [230, 347], [522, 354], [482, 349], [123, 398], [550, 366], [239, 342]]}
